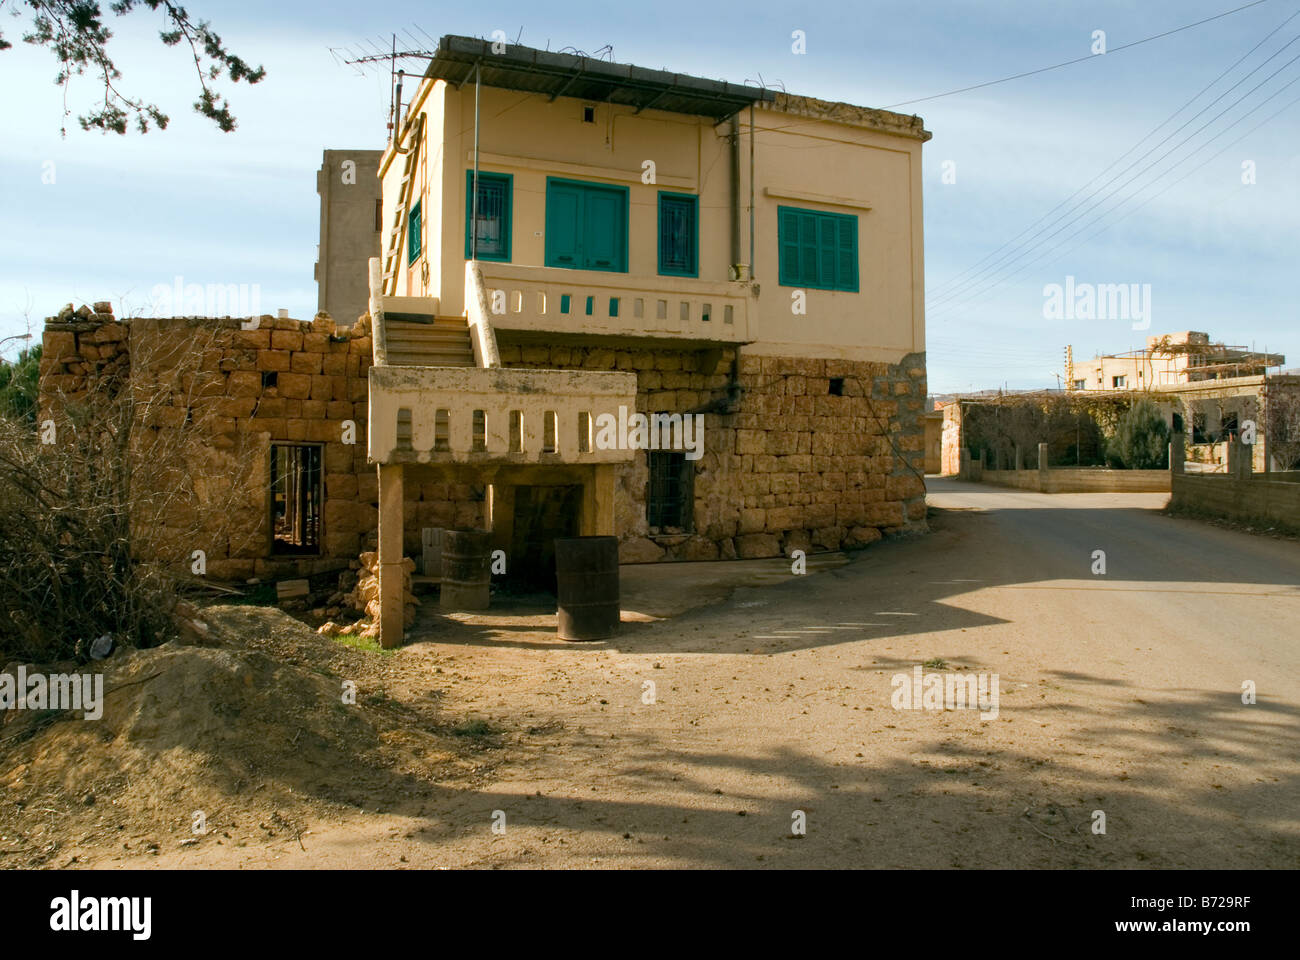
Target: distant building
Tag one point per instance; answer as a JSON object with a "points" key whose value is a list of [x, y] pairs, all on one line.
{"points": [[351, 198], [1169, 360]]}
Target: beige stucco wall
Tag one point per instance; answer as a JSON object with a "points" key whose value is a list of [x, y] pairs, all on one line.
{"points": [[871, 173]]}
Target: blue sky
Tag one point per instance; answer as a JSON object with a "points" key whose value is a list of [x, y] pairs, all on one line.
{"points": [[127, 213]]}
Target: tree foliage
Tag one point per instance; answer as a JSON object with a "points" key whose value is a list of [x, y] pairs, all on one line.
{"points": [[1141, 438], [75, 32], [18, 386]]}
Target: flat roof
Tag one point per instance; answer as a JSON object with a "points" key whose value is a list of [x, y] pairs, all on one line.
{"points": [[585, 78]]}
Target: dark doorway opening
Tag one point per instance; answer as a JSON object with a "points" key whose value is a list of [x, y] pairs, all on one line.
{"points": [[542, 514], [296, 499]]}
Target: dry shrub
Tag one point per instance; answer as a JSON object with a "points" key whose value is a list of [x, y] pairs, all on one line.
{"points": [[104, 501]]}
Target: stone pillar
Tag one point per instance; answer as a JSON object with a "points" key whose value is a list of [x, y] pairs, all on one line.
{"points": [[1177, 453], [1020, 458], [963, 469], [392, 599], [1043, 485]]}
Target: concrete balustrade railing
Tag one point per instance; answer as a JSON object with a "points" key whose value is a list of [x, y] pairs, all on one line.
{"points": [[428, 414], [591, 301]]}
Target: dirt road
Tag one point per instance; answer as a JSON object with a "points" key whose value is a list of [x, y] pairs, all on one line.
{"points": [[1119, 693]]}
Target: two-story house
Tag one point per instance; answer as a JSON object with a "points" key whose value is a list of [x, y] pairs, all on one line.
{"points": [[570, 242]]}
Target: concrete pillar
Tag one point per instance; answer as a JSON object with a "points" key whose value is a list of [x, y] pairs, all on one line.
{"points": [[392, 599], [1177, 453], [598, 502], [1239, 458], [1043, 484], [963, 469], [1020, 458], [502, 519]]}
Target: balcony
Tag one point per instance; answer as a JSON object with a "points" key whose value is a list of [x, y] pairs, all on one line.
{"points": [[493, 415], [589, 302]]}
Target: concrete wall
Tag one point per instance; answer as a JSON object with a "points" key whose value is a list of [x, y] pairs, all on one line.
{"points": [[1275, 501], [1082, 480], [349, 188], [868, 163]]}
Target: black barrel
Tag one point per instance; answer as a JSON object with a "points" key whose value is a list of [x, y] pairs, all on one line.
{"points": [[586, 579], [466, 574]]}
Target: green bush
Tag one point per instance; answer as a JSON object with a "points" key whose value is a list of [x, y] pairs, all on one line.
{"points": [[1141, 439], [18, 386]]}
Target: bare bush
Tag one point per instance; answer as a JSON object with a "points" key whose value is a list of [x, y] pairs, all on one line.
{"points": [[104, 502]]}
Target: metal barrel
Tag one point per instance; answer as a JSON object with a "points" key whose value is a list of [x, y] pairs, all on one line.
{"points": [[465, 570], [586, 578]]}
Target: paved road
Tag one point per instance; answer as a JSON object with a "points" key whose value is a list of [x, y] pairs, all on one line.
{"points": [[1119, 693]]}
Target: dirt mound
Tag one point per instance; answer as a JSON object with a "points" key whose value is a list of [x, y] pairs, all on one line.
{"points": [[253, 733]]}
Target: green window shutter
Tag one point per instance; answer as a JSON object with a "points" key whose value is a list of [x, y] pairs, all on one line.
{"points": [[586, 226], [563, 216], [494, 215], [846, 255], [604, 230], [788, 241], [678, 235], [817, 249], [413, 234]]}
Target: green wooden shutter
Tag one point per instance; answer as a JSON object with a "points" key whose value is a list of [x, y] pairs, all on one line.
{"points": [[846, 255], [788, 240], [563, 216], [413, 234], [604, 235]]}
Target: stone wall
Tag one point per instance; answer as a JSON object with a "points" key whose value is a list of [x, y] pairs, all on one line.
{"points": [[795, 466], [242, 390]]}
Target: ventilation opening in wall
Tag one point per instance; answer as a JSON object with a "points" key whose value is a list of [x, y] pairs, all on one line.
{"points": [[837, 386], [270, 379], [441, 431], [670, 494], [479, 439], [404, 428], [296, 498], [588, 114]]}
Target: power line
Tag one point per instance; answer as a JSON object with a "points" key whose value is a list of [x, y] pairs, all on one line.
{"points": [[1054, 250], [958, 295], [1067, 63], [938, 291]]}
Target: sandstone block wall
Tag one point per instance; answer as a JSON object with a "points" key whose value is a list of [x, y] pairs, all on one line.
{"points": [[796, 466], [242, 390]]}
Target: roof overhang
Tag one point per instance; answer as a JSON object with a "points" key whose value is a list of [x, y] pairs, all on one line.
{"points": [[562, 74]]}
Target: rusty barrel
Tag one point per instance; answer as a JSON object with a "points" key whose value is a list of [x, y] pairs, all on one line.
{"points": [[586, 579], [466, 574]]}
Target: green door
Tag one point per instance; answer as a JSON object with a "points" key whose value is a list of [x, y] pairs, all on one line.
{"points": [[586, 225]]}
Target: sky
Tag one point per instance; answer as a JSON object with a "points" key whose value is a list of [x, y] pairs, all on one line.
{"points": [[1200, 213]]}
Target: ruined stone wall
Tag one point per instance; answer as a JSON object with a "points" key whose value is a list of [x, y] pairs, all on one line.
{"points": [[242, 390], [794, 467]]}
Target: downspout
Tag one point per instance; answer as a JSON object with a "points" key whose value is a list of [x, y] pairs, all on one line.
{"points": [[736, 273], [751, 192], [473, 229]]}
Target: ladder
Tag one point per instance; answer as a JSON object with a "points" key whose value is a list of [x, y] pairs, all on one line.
{"points": [[392, 258]]}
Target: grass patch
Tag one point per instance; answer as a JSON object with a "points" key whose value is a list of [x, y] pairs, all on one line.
{"points": [[935, 663], [368, 644], [473, 728]]}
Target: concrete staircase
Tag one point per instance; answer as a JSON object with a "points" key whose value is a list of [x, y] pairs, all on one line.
{"points": [[441, 342]]}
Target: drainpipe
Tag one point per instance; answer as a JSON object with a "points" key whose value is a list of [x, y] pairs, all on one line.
{"points": [[473, 229], [735, 196], [751, 192]]}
